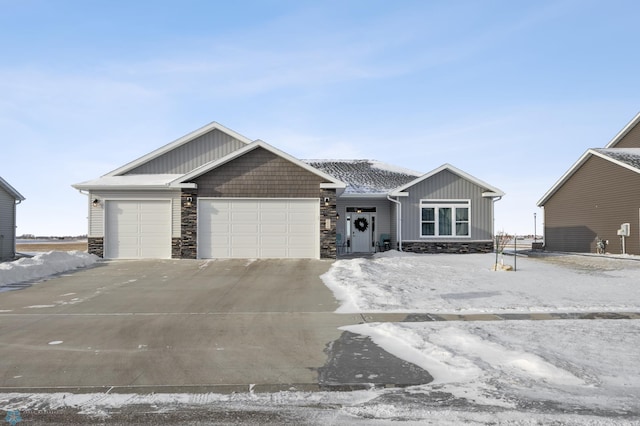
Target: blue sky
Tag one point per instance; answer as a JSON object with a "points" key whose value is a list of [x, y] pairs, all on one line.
{"points": [[512, 92]]}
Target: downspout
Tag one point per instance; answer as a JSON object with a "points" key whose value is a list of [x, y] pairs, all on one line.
{"points": [[15, 237], [398, 221], [493, 214], [493, 224]]}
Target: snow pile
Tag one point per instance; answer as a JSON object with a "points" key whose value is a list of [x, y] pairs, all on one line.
{"points": [[453, 283], [562, 364], [44, 265]]}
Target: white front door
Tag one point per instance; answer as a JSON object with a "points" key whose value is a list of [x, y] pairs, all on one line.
{"points": [[361, 233]]}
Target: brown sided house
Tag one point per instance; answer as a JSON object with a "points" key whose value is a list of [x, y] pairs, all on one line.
{"points": [[597, 198]]}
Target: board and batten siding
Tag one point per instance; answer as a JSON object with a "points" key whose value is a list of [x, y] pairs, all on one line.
{"points": [[7, 225], [447, 186], [96, 214], [206, 148], [594, 202]]}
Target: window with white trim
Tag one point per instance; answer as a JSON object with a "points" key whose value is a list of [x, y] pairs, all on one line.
{"points": [[448, 218]]}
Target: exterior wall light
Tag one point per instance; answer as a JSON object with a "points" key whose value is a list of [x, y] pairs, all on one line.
{"points": [[188, 202], [95, 202], [326, 201]]}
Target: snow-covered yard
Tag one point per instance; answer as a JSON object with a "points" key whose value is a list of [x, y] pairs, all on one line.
{"points": [[403, 282], [498, 372], [575, 367]]}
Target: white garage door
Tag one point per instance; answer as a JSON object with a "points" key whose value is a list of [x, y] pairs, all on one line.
{"points": [[258, 228], [137, 229]]}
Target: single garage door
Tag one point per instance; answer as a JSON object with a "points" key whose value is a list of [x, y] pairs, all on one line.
{"points": [[137, 229], [258, 228]]}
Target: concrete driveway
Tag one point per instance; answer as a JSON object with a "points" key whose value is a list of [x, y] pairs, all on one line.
{"points": [[179, 325]]}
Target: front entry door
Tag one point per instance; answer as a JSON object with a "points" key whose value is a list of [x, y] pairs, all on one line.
{"points": [[361, 233]]}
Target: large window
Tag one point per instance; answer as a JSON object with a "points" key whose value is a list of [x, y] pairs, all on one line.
{"points": [[448, 218]]}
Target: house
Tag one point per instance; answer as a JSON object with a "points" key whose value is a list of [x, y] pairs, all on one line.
{"points": [[9, 198], [217, 194], [595, 197], [445, 210]]}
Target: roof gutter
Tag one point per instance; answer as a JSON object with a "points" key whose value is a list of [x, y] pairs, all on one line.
{"points": [[398, 221], [161, 187]]}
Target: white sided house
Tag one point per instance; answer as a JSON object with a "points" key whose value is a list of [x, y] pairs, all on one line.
{"points": [[214, 194], [9, 198]]}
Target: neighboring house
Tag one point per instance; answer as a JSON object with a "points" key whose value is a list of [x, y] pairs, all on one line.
{"points": [[598, 194], [216, 194], [9, 198]]}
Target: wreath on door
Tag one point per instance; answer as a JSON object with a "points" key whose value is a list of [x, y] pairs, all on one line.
{"points": [[361, 224]]}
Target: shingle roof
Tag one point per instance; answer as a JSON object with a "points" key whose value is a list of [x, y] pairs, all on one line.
{"points": [[365, 176], [629, 156]]}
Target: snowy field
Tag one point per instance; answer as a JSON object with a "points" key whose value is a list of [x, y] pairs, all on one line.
{"points": [[582, 372]]}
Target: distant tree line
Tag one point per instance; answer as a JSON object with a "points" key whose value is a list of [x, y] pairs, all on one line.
{"points": [[51, 237]]}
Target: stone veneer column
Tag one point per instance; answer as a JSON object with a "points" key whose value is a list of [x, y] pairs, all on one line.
{"points": [[95, 245], [328, 236], [189, 225]]}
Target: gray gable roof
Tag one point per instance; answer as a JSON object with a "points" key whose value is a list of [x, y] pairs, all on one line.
{"points": [[628, 156], [365, 176]]}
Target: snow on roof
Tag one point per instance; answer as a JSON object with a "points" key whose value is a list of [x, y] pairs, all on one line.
{"points": [[365, 176], [159, 180], [629, 156]]}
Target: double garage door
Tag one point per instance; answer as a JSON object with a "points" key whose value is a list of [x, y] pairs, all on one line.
{"points": [[258, 228], [227, 228]]}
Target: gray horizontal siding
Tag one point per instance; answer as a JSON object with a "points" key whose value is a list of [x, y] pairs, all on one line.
{"points": [[96, 214], [447, 186], [594, 202], [7, 225], [203, 149]]}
